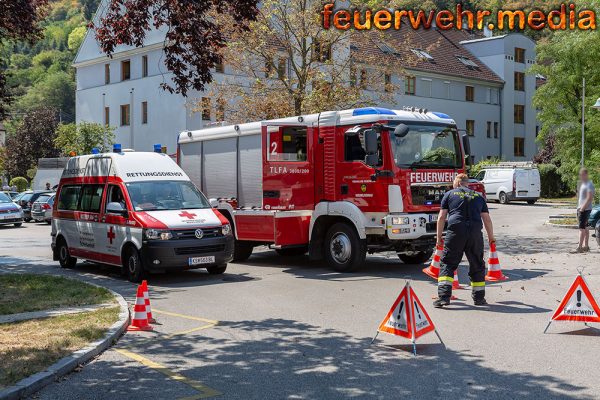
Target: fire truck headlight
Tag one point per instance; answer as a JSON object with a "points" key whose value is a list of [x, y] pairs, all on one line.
{"points": [[157, 234], [400, 220], [226, 230]]}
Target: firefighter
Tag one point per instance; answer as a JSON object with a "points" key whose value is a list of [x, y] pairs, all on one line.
{"points": [[467, 213]]}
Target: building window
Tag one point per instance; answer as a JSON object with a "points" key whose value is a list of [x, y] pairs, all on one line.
{"points": [[282, 68], [220, 67], [125, 70], [144, 112], [520, 81], [470, 127], [469, 93], [107, 116], [447, 89], [410, 83], [494, 96], [519, 114], [205, 109], [519, 55], [496, 124], [106, 74], [387, 85], [519, 147], [144, 66], [125, 115], [220, 112], [489, 129]]}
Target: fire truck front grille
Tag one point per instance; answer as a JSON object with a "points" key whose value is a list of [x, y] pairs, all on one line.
{"points": [[191, 233], [428, 194], [200, 249]]}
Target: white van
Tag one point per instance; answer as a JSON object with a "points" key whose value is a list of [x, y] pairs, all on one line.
{"points": [[138, 211], [507, 182]]}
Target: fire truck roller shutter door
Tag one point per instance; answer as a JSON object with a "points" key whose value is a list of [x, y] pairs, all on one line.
{"points": [[220, 163], [191, 161], [341, 209], [250, 171]]}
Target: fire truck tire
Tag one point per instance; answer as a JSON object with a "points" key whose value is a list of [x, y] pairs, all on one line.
{"points": [[216, 269], [242, 250], [64, 256], [291, 252], [133, 264], [417, 258], [344, 251]]}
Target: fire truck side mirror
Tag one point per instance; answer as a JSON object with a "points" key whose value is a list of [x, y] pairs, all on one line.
{"points": [[371, 157]]}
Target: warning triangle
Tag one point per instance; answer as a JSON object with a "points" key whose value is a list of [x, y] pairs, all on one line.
{"points": [[422, 323], [397, 321], [578, 304]]}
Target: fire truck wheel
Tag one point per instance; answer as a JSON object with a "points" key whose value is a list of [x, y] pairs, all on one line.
{"points": [[291, 252], [344, 251], [64, 256], [216, 269], [242, 250], [133, 264], [416, 258]]}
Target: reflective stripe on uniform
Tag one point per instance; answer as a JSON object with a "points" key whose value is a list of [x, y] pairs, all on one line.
{"points": [[478, 286], [446, 278]]}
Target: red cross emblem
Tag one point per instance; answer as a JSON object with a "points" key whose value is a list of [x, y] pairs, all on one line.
{"points": [[110, 235], [187, 215]]}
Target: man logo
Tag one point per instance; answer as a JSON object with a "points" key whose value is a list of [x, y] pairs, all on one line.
{"points": [[199, 233]]}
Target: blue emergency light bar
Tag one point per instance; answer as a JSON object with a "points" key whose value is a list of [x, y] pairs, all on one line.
{"points": [[117, 148], [157, 148], [372, 111], [441, 115], [95, 150]]}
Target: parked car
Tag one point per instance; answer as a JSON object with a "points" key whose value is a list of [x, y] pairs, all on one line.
{"points": [[511, 183], [11, 194], [10, 213], [477, 186], [42, 208], [27, 199]]}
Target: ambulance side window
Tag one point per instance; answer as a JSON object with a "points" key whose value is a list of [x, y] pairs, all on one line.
{"points": [[115, 195], [287, 144], [91, 198], [69, 198]]}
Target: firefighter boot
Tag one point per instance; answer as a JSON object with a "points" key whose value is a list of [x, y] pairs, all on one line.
{"points": [[478, 293], [444, 291]]}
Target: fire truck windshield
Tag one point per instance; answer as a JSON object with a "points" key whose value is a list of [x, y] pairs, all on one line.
{"points": [[427, 146]]}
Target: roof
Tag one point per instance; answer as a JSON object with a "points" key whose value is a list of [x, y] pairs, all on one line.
{"points": [[443, 46]]}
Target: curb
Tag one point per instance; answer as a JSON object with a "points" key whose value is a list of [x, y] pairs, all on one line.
{"points": [[561, 225], [36, 382]]}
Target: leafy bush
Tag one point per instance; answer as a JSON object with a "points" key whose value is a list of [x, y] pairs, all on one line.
{"points": [[475, 169], [20, 182], [552, 183]]}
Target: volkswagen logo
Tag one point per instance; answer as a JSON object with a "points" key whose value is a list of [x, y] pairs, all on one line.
{"points": [[199, 233]]}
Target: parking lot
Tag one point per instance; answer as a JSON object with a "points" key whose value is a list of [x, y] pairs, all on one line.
{"points": [[274, 327]]}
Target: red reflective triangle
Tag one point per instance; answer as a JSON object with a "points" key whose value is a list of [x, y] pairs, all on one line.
{"points": [[398, 319], [421, 321], [578, 304]]}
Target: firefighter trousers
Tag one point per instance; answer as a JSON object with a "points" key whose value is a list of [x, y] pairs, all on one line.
{"points": [[462, 239]]}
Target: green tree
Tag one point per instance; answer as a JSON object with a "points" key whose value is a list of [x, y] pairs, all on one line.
{"points": [[56, 90], [565, 59], [76, 38], [82, 138]]}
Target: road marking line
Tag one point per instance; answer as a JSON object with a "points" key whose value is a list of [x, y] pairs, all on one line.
{"points": [[205, 391], [172, 314]]}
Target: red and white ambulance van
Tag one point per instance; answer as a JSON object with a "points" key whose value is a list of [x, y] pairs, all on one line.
{"points": [[138, 211]]}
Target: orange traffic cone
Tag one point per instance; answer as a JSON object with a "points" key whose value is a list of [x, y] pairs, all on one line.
{"points": [[140, 318], [434, 268], [147, 302], [456, 283], [494, 271]]}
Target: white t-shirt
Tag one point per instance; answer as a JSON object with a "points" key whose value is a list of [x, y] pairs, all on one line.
{"points": [[584, 189]]}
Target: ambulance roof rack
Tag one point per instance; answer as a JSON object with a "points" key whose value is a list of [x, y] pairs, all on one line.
{"points": [[511, 164]]}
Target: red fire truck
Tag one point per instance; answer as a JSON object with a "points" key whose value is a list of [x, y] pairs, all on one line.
{"points": [[337, 184]]}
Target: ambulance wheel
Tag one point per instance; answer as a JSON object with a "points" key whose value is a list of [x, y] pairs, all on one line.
{"points": [[344, 251], [242, 250], [291, 252], [416, 258], [133, 265], [503, 198], [216, 269], [64, 256]]}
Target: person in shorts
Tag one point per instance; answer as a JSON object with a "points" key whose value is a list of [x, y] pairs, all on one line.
{"points": [[584, 209]]}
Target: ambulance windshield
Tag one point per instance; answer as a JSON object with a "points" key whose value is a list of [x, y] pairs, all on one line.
{"points": [[165, 195], [427, 146]]}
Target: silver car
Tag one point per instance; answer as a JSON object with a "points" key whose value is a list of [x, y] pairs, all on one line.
{"points": [[10, 213], [41, 210]]}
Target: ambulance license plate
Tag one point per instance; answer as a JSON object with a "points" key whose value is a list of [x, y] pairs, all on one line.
{"points": [[433, 218], [201, 260]]}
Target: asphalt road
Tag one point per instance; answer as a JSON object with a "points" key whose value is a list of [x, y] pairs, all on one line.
{"points": [[284, 328]]}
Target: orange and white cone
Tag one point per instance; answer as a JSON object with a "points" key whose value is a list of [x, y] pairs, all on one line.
{"points": [[147, 302], [139, 322], [494, 271], [434, 268], [456, 283]]}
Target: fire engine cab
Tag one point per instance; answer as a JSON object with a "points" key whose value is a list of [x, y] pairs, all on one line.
{"points": [[337, 184], [138, 211]]}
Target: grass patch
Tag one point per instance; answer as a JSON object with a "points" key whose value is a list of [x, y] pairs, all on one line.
{"points": [[32, 346], [563, 221], [30, 292]]}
